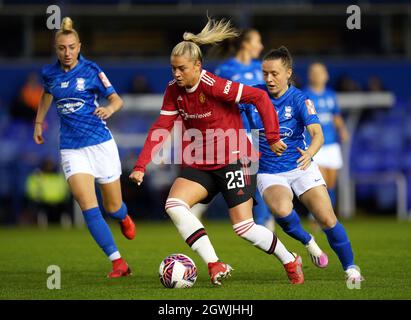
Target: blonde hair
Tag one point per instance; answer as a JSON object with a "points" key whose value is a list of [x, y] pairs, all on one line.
{"points": [[213, 32], [67, 28]]}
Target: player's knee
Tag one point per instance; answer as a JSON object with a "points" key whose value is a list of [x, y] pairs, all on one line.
{"points": [[112, 206], [328, 221], [283, 209]]}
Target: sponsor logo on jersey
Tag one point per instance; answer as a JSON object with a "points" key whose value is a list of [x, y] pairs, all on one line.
{"points": [[186, 116], [81, 84], [286, 132], [104, 80], [64, 84], [227, 87], [310, 107], [287, 113], [69, 105]]}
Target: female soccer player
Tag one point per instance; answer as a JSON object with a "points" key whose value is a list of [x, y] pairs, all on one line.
{"points": [[207, 105], [88, 150], [279, 176], [246, 69], [329, 157]]}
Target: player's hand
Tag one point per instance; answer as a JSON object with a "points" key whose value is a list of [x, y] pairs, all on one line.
{"points": [[278, 148], [305, 160], [103, 112], [137, 177], [38, 133]]}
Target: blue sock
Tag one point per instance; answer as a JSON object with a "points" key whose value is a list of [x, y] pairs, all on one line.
{"points": [[100, 230], [331, 193], [339, 242], [120, 214], [292, 226]]}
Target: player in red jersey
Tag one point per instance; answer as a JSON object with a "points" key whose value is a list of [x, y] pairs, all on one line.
{"points": [[207, 106]]}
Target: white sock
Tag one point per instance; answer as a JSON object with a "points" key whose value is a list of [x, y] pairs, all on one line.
{"points": [[114, 256], [191, 229], [263, 239]]}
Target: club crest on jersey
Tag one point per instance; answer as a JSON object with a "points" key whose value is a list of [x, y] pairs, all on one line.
{"points": [[202, 97], [81, 84], [287, 113], [310, 107], [64, 84]]}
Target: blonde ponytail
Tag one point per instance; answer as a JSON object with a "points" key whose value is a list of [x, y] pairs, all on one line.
{"points": [[67, 28], [213, 32]]}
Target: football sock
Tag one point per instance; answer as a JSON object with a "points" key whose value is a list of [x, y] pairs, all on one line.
{"points": [[101, 232], [339, 242], [191, 229], [331, 193], [291, 225], [120, 214], [263, 239]]}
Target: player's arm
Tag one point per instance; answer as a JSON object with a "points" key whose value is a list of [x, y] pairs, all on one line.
{"points": [[266, 110], [157, 135], [234, 92], [339, 123], [115, 103], [44, 106], [308, 115], [341, 128]]}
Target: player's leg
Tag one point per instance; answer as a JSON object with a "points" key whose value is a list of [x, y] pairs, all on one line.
{"points": [[178, 206], [318, 202], [279, 197], [261, 213], [330, 177], [264, 239], [116, 208], [238, 186], [82, 188]]}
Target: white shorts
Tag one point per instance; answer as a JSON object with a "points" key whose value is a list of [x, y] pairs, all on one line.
{"points": [[329, 156], [101, 161], [296, 180]]}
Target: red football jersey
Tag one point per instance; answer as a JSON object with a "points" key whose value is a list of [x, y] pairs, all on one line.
{"points": [[214, 135]]}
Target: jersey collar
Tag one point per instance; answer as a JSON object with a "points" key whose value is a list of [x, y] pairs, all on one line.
{"points": [[284, 96], [191, 90]]}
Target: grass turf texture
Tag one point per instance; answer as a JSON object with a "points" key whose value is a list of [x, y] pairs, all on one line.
{"points": [[381, 248]]}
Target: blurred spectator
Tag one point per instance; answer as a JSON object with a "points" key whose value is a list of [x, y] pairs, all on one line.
{"points": [[345, 83], [48, 194], [28, 99], [374, 84], [140, 85]]}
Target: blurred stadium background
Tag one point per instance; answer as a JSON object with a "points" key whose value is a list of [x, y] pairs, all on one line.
{"points": [[131, 40]]}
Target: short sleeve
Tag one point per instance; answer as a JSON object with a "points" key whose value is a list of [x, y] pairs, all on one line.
{"points": [[307, 111], [169, 107], [101, 83]]}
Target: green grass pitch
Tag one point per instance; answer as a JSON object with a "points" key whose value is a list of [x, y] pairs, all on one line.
{"points": [[381, 247]]}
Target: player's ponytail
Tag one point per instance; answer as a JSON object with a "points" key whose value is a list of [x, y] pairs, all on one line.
{"points": [[213, 33], [281, 53], [67, 28]]}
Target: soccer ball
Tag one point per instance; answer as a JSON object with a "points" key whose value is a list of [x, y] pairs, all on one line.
{"points": [[177, 271]]}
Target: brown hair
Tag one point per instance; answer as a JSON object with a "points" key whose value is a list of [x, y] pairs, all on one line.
{"points": [[281, 53]]}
